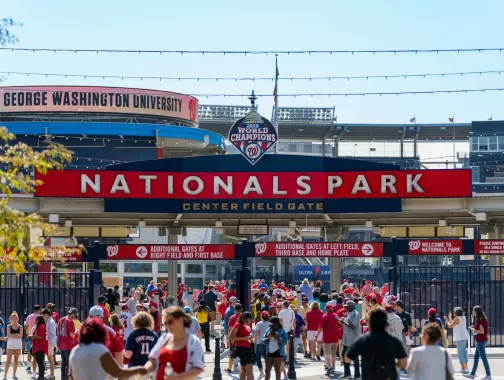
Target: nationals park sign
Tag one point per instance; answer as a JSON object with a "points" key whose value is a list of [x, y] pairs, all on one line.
{"points": [[275, 184]]}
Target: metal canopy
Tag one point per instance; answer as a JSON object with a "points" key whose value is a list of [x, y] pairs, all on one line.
{"points": [[416, 212]]}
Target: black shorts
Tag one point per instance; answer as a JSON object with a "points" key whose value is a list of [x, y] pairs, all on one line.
{"points": [[244, 354], [232, 351]]}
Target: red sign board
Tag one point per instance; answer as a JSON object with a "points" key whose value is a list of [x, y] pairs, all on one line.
{"points": [[432, 183], [435, 247], [489, 247], [349, 249], [170, 252]]}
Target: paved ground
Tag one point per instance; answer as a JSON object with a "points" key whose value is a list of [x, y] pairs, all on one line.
{"points": [[305, 369]]}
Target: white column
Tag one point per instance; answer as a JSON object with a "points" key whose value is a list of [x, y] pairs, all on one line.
{"points": [[155, 271], [172, 269], [279, 266]]}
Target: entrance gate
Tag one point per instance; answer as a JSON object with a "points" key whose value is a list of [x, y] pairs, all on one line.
{"points": [[21, 292], [444, 288]]}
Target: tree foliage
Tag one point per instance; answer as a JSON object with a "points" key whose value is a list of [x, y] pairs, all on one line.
{"points": [[6, 36], [18, 162]]}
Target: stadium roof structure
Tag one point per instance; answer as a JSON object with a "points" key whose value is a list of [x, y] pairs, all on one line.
{"points": [[321, 123]]}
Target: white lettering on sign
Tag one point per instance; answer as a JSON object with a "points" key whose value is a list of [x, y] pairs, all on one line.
{"points": [[412, 183], [303, 187], [147, 179], [333, 182], [120, 184], [188, 180], [361, 185], [226, 186], [276, 190], [387, 182], [252, 185], [86, 181]]}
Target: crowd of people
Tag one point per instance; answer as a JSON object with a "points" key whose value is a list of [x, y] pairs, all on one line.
{"points": [[148, 332]]}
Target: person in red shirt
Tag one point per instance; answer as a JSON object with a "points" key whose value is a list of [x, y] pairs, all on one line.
{"points": [[66, 332], [232, 291], [329, 328], [342, 313], [240, 335], [313, 318], [223, 305], [379, 298], [113, 343], [102, 300], [480, 332], [40, 345], [117, 325], [231, 323]]}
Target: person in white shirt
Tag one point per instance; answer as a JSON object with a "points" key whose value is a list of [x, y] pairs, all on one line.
{"points": [[430, 361], [288, 322], [125, 318], [92, 360], [51, 340], [460, 336]]}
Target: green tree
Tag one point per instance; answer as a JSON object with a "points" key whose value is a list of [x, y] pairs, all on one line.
{"points": [[17, 160]]}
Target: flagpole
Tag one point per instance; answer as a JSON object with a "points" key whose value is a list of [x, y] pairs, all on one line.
{"points": [[275, 115]]}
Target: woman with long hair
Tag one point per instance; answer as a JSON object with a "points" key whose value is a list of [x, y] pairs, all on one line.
{"points": [[430, 361], [480, 333], [460, 335], [241, 336], [40, 345], [14, 344], [91, 359], [275, 340], [118, 327], [260, 347], [177, 352]]}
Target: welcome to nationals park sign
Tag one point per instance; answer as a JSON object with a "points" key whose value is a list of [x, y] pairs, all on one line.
{"points": [[194, 252], [275, 184]]}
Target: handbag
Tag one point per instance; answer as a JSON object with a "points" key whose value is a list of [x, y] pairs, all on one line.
{"points": [[448, 375]]}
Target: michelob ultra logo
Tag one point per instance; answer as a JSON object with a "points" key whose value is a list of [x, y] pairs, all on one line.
{"points": [[253, 136]]}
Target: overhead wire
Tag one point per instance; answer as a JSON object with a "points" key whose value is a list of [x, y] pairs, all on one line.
{"points": [[255, 79], [252, 52]]}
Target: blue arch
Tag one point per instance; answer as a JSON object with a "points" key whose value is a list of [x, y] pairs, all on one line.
{"points": [[113, 129]]}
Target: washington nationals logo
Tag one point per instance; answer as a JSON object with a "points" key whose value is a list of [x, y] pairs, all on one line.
{"points": [[414, 245], [260, 248], [193, 109], [112, 250]]}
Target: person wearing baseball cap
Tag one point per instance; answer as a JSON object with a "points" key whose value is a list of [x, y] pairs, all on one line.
{"points": [[156, 315], [195, 326], [329, 327], [102, 301], [407, 323], [394, 322], [351, 331], [54, 314], [434, 318], [66, 332]]}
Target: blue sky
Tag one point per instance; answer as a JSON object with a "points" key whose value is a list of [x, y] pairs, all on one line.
{"points": [[238, 25]]}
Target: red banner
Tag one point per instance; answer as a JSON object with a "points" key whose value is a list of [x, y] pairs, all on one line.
{"points": [[349, 249], [443, 183], [435, 247], [170, 252], [489, 247]]}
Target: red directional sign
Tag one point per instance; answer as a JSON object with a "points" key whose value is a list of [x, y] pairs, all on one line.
{"points": [[435, 247], [348, 249], [170, 252], [489, 247]]}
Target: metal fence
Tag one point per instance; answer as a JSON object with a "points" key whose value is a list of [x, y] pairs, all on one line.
{"points": [[445, 288], [21, 292]]}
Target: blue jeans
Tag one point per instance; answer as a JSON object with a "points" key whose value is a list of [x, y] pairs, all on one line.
{"points": [[260, 352], [346, 366], [480, 352], [462, 351]]}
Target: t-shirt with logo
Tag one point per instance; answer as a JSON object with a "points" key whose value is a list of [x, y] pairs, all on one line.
{"points": [[126, 321], [65, 328], [140, 342]]}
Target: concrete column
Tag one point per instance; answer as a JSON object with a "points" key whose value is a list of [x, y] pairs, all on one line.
{"points": [[172, 269], [253, 268], [299, 297], [155, 271], [279, 266], [323, 147], [335, 263], [335, 148]]}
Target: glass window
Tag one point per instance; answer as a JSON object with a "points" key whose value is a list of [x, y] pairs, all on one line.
{"points": [[501, 143], [474, 144], [211, 270], [138, 267], [108, 267], [135, 281], [162, 267], [493, 143], [194, 268], [483, 143], [307, 148], [292, 147]]}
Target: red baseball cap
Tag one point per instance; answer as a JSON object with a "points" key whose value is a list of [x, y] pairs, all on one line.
{"points": [[154, 304], [432, 311], [329, 306], [389, 308], [264, 313]]}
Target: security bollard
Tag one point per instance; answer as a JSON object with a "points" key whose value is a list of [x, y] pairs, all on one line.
{"points": [[217, 375], [291, 373]]}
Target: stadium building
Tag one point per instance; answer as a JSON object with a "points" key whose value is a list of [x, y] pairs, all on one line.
{"points": [[107, 125]]}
